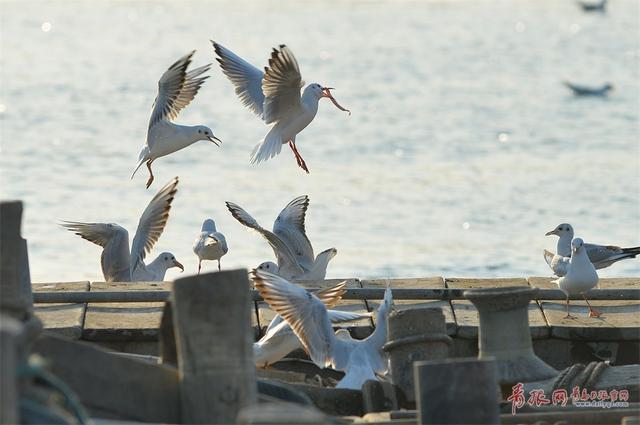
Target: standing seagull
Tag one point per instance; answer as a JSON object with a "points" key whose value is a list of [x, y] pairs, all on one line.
{"points": [[289, 241], [600, 255], [361, 360], [176, 89], [275, 97], [581, 276], [210, 244], [118, 263]]}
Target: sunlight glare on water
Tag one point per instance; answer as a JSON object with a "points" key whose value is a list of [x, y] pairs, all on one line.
{"points": [[463, 148]]}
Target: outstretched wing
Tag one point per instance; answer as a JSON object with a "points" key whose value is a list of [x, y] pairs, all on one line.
{"points": [[281, 85], [176, 89], [98, 233], [246, 78], [287, 263], [289, 226], [152, 223], [302, 310]]}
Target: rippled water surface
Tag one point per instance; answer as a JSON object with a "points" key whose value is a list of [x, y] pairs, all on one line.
{"points": [[462, 151]]}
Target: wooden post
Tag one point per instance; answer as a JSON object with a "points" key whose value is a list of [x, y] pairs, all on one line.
{"points": [[412, 335], [457, 391], [15, 282], [212, 322], [9, 335], [168, 351]]}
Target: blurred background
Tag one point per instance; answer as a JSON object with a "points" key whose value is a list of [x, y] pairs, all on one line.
{"points": [[463, 148]]}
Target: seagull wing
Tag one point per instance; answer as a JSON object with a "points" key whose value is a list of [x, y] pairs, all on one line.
{"points": [[114, 240], [152, 223], [246, 78], [281, 85], [289, 226], [558, 264], [302, 310], [176, 89], [287, 263], [331, 295]]}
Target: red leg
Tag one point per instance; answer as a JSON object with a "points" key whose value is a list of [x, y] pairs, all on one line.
{"points": [[568, 316], [592, 312], [301, 162], [149, 162]]}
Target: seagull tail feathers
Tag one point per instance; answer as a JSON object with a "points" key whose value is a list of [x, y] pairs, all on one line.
{"points": [[632, 251], [269, 147]]}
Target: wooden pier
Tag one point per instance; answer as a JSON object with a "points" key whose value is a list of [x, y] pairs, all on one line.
{"points": [[133, 326]]}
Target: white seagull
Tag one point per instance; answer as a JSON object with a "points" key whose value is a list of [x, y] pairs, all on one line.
{"points": [[361, 360], [580, 90], [210, 244], [117, 262], [580, 276], [275, 97], [176, 89], [600, 255], [289, 241], [280, 340]]}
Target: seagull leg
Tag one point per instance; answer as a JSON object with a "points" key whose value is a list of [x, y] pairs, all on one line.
{"points": [[301, 163], [199, 265], [149, 162], [592, 312], [568, 316], [219, 269]]}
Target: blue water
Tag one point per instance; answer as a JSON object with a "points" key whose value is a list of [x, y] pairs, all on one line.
{"points": [[462, 151]]}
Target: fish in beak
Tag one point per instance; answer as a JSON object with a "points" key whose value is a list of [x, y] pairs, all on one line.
{"points": [[326, 92], [213, 140], [177, 263]]}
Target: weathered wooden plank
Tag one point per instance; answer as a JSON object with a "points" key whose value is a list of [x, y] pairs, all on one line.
{"points": [[414, 283], [467, 316], [65, 319], [620, 320], [112, 385], [211, 319], [124, 321]]}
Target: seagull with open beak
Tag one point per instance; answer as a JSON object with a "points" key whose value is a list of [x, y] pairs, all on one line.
{"points": [[275, 97]]}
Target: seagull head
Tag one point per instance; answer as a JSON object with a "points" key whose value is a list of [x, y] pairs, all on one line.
{"points": [[209, 225], [269, 266], [576, 245], [205, 133], [608, 86], [169, 260], [561, 230]]}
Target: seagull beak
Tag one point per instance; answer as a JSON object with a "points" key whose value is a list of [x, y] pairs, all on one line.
{"points": [[327, 93], [551, 232], [213, 139], [177, 263]]}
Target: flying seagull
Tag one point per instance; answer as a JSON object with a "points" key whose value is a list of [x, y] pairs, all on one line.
{"points": [[275, 97], [176, 89]]}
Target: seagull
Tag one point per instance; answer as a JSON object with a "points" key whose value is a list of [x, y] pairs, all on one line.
{"points": [[280, 340], [580, 276], [176, 89], [600, 255], [210, 244], [275, 97], [361, 360], [289, 241], [118, 263], [557, 263], [593, 7], [580, 90]]}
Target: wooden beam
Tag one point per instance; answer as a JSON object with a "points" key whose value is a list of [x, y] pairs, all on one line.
{"points": [[212, 323]]}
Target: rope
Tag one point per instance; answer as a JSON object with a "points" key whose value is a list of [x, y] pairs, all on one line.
{"points": [[579, 375], [33, 369], [415, 339]]}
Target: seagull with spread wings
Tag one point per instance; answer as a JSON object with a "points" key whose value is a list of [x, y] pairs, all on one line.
{"points": [[361, 360], [289, 241], [176, 89], [275, 97], [118, 263]]}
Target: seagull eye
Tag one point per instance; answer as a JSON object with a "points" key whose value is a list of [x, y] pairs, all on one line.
{"points": [[199, 131], [166, 258]]}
